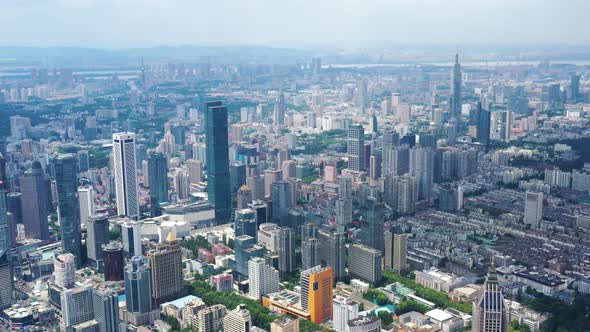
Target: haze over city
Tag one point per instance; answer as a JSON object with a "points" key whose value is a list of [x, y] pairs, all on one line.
{"points": [[287, 166]]}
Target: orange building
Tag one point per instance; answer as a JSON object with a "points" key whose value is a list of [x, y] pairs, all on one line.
{"points": [[317, 293]]}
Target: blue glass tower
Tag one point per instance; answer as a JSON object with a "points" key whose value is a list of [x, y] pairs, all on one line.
{"points": [[217, 155]]}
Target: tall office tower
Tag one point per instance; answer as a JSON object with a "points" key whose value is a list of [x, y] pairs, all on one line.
{"points": [[106, 309], [364, 324], [158, 178], [260, 208], [483, 126], [34, 186], [533, 208], [98, 235], [282, 201], [373, 226], [343, 213], [68, 213], [264, 279], [245, 223], [316, 293], [83, 161], [125, 175], [14, 206], [195, 170], [76, 307], [114, 263], [285, 324], [506, 126], [271, 176], [245, 249], [211, 318], [289, 168], [575, 86], [86, 198], [489, 311], [344, 309], [238, 320], [6, 281], [345, 188], [258, 186], [396, 250], [218, 180], [422, 167], [354, 147], [451, 129], [64, 270], [243, 197], [333, 252], [554, 94], [138, 286], [237, 175], [166, 265], [361, 94], [131, 236], [279, 110], [456, 90], [286, 251], [6, 240], [364, 263]]}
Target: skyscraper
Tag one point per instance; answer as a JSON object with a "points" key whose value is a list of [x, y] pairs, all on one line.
{"points": [[158, 178], [333, 252], [396, 250], [575, 86], [286, 251], [34, 185], [264, 279], [138, 286], [282, 201], [245, 223], [131, 236], [97, 236], [456, 90], [86, 198], [422, 167], [489, 311], [125, 170], [64, 270], [483, 126], [114, 264], [68, 213], [279, 110], [166, 269], [218, 179], [5, 232], [6, 281], [76, 306], [373, 226], [533, 208], [316, 293], [355, 144], [106, 309]]}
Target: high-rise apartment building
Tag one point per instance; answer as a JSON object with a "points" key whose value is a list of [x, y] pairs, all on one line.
{"points": [[264, 279], [238, 320], [533, 208], [344, 309], [396, 250]]}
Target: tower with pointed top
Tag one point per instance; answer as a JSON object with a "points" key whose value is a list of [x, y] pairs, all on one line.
{"points": [[489, 311], [456, 90]]}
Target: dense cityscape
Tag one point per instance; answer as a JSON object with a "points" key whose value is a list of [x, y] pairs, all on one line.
{"points": [[255, 188]]}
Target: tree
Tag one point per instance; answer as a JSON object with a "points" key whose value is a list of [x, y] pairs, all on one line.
{"points": [[386, 318]]}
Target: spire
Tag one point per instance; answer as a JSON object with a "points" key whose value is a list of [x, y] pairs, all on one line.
{"points": [[457, 58]]}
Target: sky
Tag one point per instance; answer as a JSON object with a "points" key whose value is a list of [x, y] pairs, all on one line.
{"points": [[292, 23]]}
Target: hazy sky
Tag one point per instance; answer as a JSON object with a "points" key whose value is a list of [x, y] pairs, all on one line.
{"points": [[291, 23]]}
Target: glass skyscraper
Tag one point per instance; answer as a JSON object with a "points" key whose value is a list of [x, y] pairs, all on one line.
{"points": [[68, 213], [158, 179], [218, 179]]}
